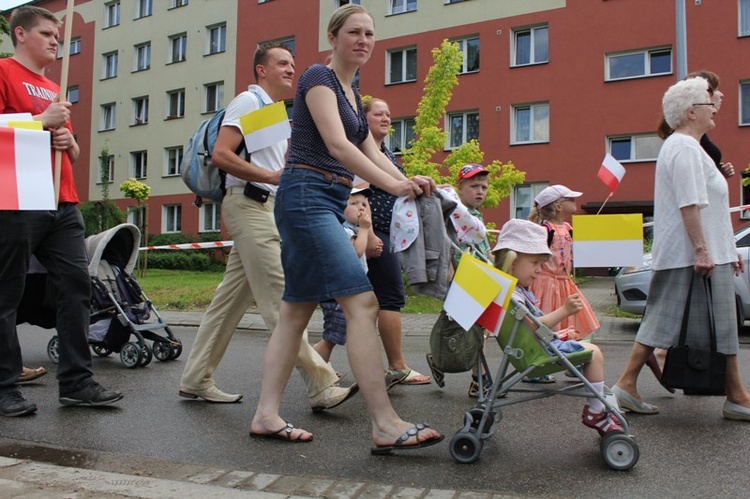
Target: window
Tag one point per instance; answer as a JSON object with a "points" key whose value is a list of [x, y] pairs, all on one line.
{"points": [[462, 127], [142, 56], [145, 8], [635, 147], [110, 65], [744, 16], [108, 115], [530, 123], [176, 104], [140, 111], [745, 103], [137, 216], [403, 134], [287, 42], [402, 65], [745, 195], [177, 48], [173, 4], [217, 39], [214, 97], [531, 46], [172, 218], [75, 47], [111, 14], [173, 157], [72, 95], [470, 52], [289, 105], [210, 217], [109, 173], [340, 3], [638, 64], [447, 2], [139, 160], [401, 6], [523, 199]]}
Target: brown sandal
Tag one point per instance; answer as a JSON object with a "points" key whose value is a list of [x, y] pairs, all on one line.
{"points": [[29, 374]]}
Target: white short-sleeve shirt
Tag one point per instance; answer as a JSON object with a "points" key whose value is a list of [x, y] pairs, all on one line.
{"points": [[270, 158], [686, 175]]}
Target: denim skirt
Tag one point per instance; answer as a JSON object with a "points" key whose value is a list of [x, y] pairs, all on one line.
{"points": [[318, 258]]}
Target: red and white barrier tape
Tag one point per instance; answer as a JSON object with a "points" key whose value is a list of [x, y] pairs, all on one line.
{"points": [[208, 245]]}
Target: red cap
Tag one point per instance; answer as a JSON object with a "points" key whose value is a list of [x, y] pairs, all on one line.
{"points": [[468, 171]]}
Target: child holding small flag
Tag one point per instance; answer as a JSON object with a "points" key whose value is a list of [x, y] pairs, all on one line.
{"points": [[522, 251], [551, 208]]}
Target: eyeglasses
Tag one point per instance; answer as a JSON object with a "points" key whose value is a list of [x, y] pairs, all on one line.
{"points": [[705, 104]]}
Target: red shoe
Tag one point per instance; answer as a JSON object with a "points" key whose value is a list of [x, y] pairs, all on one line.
{"points": [[603, 422]]}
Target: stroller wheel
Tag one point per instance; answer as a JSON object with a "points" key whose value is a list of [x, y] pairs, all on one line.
{"points": [[465, 447], [620, 451], [162, 351], [146, 355], [130, 354], [176, 349], [53, 349], [101, 351], [476, 418]]}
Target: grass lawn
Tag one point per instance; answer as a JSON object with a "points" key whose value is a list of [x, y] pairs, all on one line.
{"points": [[193, 291]]}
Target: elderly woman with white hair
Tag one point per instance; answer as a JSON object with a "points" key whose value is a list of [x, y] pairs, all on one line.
{"points": [[693, 237]]}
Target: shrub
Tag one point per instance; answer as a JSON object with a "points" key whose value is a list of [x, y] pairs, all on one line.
{"points": [[184, 260]]}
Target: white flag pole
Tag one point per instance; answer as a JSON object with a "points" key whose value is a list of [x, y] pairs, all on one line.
{"points": [[64, 87], [605, 202]]}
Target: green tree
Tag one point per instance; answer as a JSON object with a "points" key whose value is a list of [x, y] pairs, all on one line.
{"points": [[4, 30], [430, 138]]}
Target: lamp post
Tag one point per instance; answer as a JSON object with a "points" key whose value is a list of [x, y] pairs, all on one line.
{"points": [[681, 39]]}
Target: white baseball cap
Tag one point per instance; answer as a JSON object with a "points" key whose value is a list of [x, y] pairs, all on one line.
{"points": [[523, 236], [553, 193]]}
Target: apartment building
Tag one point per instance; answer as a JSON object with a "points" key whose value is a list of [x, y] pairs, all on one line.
{"points": [[551, 85]]}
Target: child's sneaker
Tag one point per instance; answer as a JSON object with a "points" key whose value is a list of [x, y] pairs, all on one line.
{"points": [[603, 422]]}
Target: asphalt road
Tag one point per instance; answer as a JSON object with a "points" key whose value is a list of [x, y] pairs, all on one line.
{"points": [[540, 448]]}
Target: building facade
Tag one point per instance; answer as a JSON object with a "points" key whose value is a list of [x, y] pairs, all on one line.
{"points": [[551, 85]]}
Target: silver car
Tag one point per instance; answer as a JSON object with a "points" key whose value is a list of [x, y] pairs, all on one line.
{"points": [[632, 283]]}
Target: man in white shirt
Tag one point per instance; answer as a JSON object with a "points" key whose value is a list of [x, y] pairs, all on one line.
{"points": [[254, 264]]}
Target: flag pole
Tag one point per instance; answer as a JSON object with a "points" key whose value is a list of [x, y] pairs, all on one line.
{"points": [[605, 202], [63, 87]]}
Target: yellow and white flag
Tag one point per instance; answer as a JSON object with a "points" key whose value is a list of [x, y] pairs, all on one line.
{"points": [[265, 127], [478, 291], [608, 240]]}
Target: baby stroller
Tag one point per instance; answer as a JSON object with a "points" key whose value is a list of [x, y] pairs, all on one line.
{"points": [[119, 307], [530, 353]]}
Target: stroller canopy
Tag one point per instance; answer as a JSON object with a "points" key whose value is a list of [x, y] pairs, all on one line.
{"points": [[118, 246]]}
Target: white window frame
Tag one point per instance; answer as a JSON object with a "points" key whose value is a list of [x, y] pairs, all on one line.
{"points": [[144, 8], [216, 39], [108, 117], [525, 210], [462, 43], [173, 211], [177, 48], [110, 62], [399, 134], [449, 2], [743, 17], [534, 109], [744, 104], [75, 47], [142, 57], [139, 164], [341, 3], [535, 35], [213, 96], [140, 111], [464, 127], [639, 144], [110, 170], [211, 213], [647, 55], [72, 94], [173, 4], [136, 215], [176, 103], [404, 64], [112, 14], [401, 6], [172, 160]]}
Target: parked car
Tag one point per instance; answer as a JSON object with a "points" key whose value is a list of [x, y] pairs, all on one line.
{"points": [[632, 283]]}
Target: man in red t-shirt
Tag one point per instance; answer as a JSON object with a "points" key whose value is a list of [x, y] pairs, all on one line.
{"points": [[54, 237]]}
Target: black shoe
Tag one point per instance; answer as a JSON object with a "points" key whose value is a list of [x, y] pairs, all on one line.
{"points": [[92, 395], [13, 404]]}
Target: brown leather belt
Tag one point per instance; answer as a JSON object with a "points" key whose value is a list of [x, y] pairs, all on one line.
{"points": [[331, 177]]}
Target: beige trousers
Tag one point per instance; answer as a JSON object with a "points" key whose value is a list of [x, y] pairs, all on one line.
{"points": [[253, 270]]}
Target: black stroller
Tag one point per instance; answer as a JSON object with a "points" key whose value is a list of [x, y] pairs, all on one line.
{"points": [[119, 307]]}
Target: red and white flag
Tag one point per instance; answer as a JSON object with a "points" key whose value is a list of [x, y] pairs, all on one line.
{"points": [[25, 170], [611, 172]]}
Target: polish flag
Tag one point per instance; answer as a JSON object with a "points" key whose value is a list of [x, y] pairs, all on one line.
{"points": [[611, 172], [25, 170]]}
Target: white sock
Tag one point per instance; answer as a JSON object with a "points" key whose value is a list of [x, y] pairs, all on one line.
{"points": [[596, 405]]}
